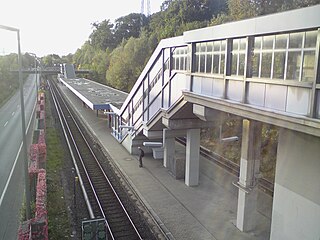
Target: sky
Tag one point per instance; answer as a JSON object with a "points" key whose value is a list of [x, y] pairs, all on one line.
{"points": [[59, 26]]}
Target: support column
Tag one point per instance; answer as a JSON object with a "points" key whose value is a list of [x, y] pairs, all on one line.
{"points": [[169, 149], [296, 199], [249, 170], [192, 157]]}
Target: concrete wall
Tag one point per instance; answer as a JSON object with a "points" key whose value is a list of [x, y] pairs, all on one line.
{"points": [[132, 144], [296, 203], [69, 71]]}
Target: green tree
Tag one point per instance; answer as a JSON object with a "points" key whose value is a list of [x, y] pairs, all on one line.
{"points": [[241, 9], [264, 7], [67, 59], [100, 62], [176, 17], [9, 81], [51, 60], [102, 36], [84, 55], [127, 62], [129, 26]]}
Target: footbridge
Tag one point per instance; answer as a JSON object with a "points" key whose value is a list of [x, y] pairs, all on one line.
{"points": [[265, 70], [51, 70]]}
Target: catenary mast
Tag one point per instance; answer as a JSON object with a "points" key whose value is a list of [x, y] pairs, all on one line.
{"points": [[145, 4]]}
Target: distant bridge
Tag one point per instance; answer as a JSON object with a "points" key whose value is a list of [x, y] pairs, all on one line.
{"points": [[50, 70]]}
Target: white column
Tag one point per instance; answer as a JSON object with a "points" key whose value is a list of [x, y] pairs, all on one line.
{"points": [[249, 168], [169, 149], [296, 199], [192, 157]]}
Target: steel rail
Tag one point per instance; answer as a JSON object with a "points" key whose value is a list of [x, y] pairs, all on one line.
{"points": [[89, 208], [101, 169]]}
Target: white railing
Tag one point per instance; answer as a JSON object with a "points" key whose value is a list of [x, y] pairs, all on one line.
{"points": [[151, 92]]}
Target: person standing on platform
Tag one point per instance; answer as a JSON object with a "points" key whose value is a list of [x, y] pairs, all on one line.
{"points": [[141, 155]]}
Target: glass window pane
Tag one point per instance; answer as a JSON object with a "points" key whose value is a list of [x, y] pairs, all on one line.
{"points": [[223, 45], [308, 66], [215, 63], [281, 41], [279, 64], [235, 44], [255, 65], [166, 65], [234, 64], [209, 63], [174, 53], [222, 64], [202, 63], [188, 61], [197, 60], [197, 47], [203, 47], [175, 63], [241, 64], [266, 65], [181, 67], [295, 40], [267, 42], [311, 39], [216, 47], [293, 68], [257, 43], [185, 50], [243, 43], [209, 46]]}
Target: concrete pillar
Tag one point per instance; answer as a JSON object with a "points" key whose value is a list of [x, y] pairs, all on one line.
{"points": [[192, 157], [169, 149], [296, 200], [249, 168]]}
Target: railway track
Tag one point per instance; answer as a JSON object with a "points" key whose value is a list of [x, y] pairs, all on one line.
{"points": [[101, 197]]}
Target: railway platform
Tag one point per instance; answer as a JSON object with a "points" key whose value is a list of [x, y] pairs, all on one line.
{"points": [[207, 211]]}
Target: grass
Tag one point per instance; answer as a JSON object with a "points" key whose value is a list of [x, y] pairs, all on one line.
{"points": [[58, 219]]}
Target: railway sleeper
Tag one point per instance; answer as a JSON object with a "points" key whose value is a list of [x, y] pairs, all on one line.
{"points": [[127, 237], [115, 215], [100, 185], [121, 227], [116, 219], [106, 199]]}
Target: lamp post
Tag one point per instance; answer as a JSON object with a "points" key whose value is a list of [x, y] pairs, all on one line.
{"points": [[36, 68], [23, 123]]}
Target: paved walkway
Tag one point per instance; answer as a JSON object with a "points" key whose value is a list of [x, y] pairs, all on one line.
{"points": [[207, 211]]}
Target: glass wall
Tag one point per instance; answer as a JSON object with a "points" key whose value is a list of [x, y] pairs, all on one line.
{"points": [[179, 58], [285, 56], [210, 57], [238, 54]]}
